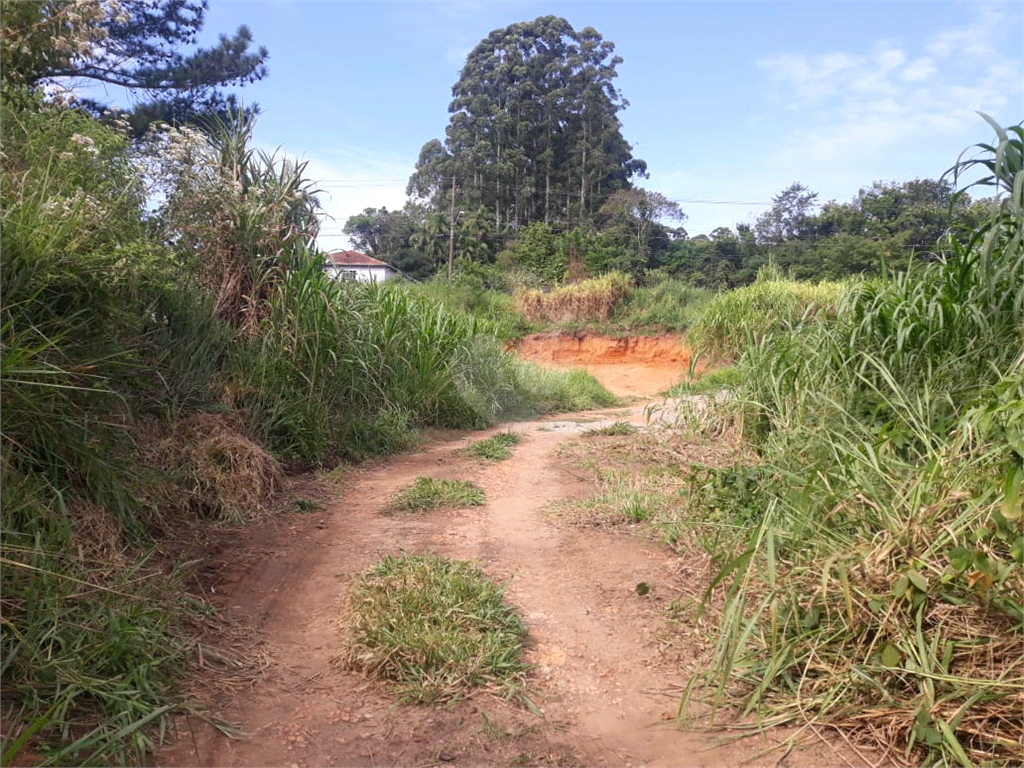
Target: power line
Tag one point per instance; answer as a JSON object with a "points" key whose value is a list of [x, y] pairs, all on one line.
{"points": [[328, 184], [723, 202]]}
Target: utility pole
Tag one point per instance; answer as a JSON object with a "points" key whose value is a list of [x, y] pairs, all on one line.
{"points": [[451, 234]]}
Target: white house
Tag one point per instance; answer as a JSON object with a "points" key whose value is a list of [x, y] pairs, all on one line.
{"points": [[352, 265]]}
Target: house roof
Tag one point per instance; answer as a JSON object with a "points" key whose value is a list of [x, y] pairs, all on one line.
{"points": [[353, 259]]}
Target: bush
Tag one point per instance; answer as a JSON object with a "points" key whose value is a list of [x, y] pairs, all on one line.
{"points": [[735, 318], [588, 300], [668, 306]]}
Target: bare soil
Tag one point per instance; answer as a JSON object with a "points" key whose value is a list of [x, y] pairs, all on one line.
{"points": [[629, 366], [608, 664]]}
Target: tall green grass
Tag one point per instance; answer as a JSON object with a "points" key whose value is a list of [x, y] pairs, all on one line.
{"points": [[875, 583], [348, 370], [493, 307], [92, 635], [734, 318], [668, 306]]}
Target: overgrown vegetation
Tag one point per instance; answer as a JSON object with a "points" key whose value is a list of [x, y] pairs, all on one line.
{"points": [[495, 448], [439, 628], [875, 580], [735, 318], [169, 345], [666, 306], [710, 382], [430, 493]]}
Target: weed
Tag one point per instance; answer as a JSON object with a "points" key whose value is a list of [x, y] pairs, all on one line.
{"points": [[437, 627], [428, 493], [711, 382], [496, 447], [669, 306]]}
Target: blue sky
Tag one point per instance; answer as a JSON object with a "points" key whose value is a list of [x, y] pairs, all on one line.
{"points": [[729, 101]]}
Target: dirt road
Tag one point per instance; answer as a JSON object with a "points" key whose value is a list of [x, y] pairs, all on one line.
{"points": [[605, 680]]}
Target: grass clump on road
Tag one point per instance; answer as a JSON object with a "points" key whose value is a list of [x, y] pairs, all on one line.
{"points": [[495, 448], [430, 493], [615, 429], [440, 628]]}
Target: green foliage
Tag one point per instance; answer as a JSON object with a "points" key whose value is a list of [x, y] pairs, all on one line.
{"points": [[885, 223], [534, 134], [550, 391], [877, 551], [496, 447], [91, 644], [134, 44], [710, 382], [667, 306], [437, 627], [746, 314], [477, 291], [429, 493], [537, 249]]}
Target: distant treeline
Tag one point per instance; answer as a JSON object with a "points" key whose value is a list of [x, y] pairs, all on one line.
{"points": [[885, 223]]}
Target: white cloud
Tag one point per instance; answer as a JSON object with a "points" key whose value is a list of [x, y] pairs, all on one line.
{"points": [[860, 106], [917, 70]]}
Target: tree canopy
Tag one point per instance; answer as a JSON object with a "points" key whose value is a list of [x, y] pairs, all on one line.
{"points": [[133, 44], [534, 133]]}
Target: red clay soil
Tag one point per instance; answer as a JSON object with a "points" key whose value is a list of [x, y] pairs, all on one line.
{"points": [[629, 366], [608, 664]]}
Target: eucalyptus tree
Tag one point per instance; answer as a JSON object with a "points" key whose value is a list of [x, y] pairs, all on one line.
{"points": [[789, 217], [534, 133], [634, 217]]}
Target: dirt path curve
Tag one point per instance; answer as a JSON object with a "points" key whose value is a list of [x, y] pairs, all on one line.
{"points": [[606, 691]]}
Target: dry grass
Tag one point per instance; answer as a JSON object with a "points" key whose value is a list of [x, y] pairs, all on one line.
{"points": [[582, 302], [638, 478], [232, 478]]}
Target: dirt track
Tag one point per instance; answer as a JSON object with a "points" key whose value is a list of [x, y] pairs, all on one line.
{"points": [[607, 687]]}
